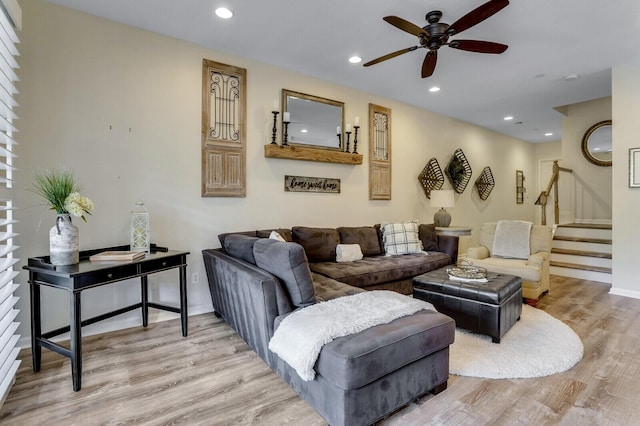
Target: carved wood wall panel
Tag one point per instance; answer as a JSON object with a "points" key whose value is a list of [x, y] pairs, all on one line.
{"points": [[379, 152], [223, 130]]}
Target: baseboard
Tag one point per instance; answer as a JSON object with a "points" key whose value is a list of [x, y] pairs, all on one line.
{"points": [[120, 324], [626, 293]]}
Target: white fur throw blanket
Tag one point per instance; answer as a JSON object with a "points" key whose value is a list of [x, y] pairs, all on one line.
{"points": [[511, 239], [300, 336]]}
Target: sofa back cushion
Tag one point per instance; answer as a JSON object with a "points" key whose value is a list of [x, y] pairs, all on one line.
{"points": [[428, 236], [288, 262], [222, 237], [240, 246], [319, 243], [365, 236]]}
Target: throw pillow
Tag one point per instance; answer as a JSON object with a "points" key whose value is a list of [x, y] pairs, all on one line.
{"points": [[240, 246], [319, 243], [348, 252], [275, 236], [428, 237], [401, 238], [365, 236], [284, 232], [288, 262]]}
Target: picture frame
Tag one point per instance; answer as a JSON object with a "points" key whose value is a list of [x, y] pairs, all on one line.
{"points": [[634, 168]]}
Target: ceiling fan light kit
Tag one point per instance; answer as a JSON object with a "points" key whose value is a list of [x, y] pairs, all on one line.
{"points": [[436, 34]]}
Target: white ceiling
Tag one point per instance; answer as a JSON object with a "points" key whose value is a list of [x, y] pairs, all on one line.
{"points": [[548, 40]]}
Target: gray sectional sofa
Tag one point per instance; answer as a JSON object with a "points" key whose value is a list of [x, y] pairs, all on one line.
{"points": [[256, 282]]}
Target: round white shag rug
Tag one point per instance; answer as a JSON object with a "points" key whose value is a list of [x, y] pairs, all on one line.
{"points": [[538, 345]]}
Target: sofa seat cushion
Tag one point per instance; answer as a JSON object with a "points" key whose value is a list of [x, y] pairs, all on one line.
{"points": [[327, 288], [381, 269], [518, 267], [351, 362]]}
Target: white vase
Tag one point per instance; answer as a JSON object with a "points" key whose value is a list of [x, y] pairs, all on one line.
{"points": [[63, 242]]}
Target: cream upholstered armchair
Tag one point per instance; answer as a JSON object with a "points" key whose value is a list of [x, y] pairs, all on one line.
{"points": [[531, 265]]}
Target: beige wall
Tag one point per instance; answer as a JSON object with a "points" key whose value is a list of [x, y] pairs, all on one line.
{"points": [[626, 201], [591, 184], [121, 107]]}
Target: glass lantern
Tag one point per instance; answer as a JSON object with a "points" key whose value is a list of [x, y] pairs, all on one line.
{"points": [[140, 239]]}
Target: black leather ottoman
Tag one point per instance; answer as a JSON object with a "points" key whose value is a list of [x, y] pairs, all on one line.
{"points": [[489, 308]]}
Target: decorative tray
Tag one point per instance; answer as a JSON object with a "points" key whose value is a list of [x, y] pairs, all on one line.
{"points": [[468, 272]]}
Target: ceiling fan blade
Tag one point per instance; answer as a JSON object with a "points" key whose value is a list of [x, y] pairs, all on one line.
{"points": [[390, 55], [429, 64], [404, 25], [477, 15], [478, 46]]}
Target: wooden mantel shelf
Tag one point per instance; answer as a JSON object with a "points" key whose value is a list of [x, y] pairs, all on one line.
{"points": [[297, 152]]}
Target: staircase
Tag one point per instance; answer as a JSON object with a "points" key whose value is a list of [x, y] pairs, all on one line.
{"points": [[582, 250]]}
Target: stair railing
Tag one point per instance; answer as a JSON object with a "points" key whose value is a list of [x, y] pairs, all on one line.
{"points": [[544, 195]]}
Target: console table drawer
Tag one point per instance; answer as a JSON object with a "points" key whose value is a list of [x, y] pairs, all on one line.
{"points": [[160, 264], [108, 275]]}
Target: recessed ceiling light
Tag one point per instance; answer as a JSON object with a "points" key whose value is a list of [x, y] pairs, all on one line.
{"points": [[548, 134], [434, 89], [508, 118], [224, 13], [303, 131], [355, 59]]}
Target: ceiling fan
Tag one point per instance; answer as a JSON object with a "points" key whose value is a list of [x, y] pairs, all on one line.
{"points": [[436, 34]]}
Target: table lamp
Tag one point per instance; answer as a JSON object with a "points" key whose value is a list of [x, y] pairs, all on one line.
{"points": [[442, 198]]}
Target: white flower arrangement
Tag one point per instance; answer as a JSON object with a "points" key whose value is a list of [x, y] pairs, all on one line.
{"points": [[77, 205], [62, 193]]}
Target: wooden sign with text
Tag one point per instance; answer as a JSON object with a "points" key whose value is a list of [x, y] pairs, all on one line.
{"points": [[311, 184]]}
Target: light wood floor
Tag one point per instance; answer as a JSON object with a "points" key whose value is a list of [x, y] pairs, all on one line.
{"points": [[154, 376]]}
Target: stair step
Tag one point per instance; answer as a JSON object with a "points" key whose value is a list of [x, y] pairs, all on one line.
{"points": [[583, 232], [582, 239], [586, 225], [581, 253], [582, 267]]}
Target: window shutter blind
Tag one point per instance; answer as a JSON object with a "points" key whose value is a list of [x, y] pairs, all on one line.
{"points": [[10, 17]]}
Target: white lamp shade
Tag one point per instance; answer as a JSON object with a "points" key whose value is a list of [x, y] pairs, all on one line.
{"points": [[442, 198]]}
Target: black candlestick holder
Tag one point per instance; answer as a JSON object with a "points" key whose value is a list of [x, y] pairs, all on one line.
{"points": [[348, 135], [355, 139], [285, 142], [339, 140], [274, 130]]}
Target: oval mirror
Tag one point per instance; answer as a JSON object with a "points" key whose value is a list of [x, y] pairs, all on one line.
{"points": [[596, 144], [314, 121]]}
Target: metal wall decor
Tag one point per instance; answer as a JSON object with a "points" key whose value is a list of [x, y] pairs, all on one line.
{"points": [[458, 171], [485, 183], [431, 177], [634, 168], [311, 184], [519, 187]]}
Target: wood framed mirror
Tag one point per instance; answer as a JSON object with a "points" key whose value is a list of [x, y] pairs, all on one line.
{"points": [[313, 121], [597, 144]]}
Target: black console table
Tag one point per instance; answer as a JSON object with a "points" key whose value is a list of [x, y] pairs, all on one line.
{"points": [[88, 274]]}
